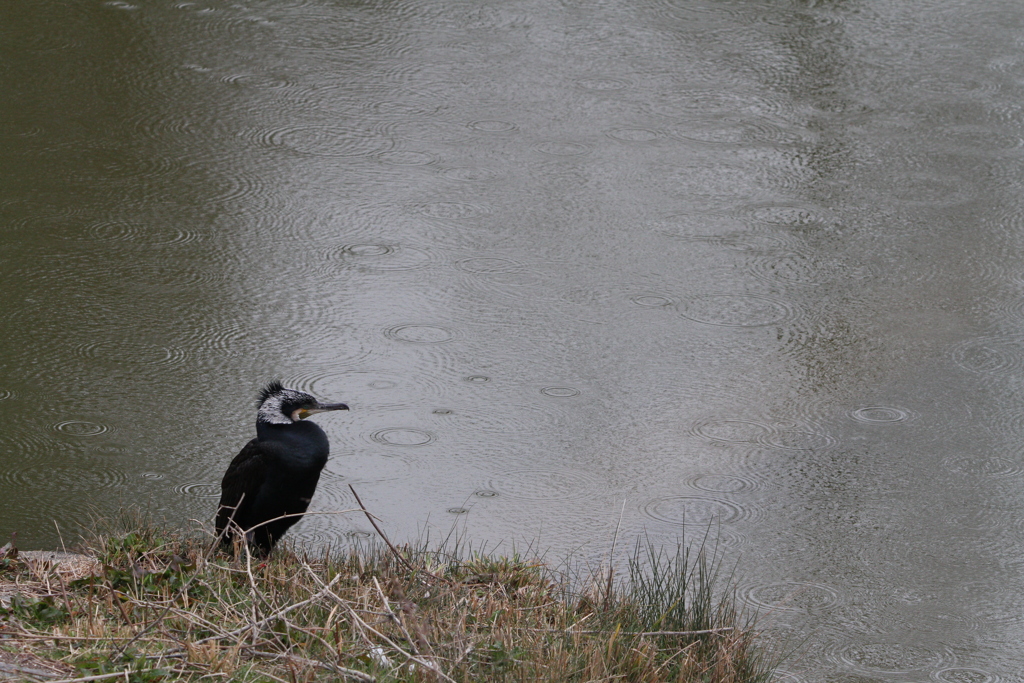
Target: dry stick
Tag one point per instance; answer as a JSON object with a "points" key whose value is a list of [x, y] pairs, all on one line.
{"points": [[398, 620], [723, 629], [611, 559], [97, 677], [382, 534], [352, 613], [351, 673], [15, 669]]}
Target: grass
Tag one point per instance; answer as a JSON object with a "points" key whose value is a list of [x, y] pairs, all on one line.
{"points": [[160, 605]]}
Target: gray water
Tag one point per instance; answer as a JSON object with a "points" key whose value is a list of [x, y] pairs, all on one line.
{"points": [[667, 266]]}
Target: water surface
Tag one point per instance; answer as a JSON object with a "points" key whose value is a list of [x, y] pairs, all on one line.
{"points": [[747, 265]]}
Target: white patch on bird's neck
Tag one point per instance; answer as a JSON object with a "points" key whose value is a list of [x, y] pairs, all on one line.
{"points": [[270, 411]]}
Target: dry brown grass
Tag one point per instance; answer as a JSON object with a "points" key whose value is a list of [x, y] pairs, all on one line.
{"points": [[163, 606]]}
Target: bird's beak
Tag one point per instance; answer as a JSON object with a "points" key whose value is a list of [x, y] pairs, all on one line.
{"points": [[303, 413]]}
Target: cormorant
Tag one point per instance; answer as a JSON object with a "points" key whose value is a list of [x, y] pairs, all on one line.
{"points": [[276, 473]]}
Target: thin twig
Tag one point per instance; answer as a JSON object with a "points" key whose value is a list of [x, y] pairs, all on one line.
{"points": [[97, 677], [724, 629], [394, 550], [611, 558], [397, 619], [351, 673]]}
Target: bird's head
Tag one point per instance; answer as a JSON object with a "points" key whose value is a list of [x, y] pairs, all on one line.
{"points": [[278, 405]]}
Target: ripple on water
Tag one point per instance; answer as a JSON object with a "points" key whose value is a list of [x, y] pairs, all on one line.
{"points": [[407, 158], [882, 415], [730, 431], [802, 269], [887, 657], [414, 333], [82, 476], [964, 674], [736, 310], [725, 483], [652, 300], [158, 234], [80, 428], [792, 596], [451, 210], [987, 466], [718, 230], [472, 174], [559, 148], [990, 355], [403, 436], [689, 104], [560, 392], [201, 491], [133, 353], [488, 265], [322, 140], [633, 134], [368, 468], [699, 511], [382, 256], [787, 215], [544, 484], [807, 438], [927, 191], [492, 126]]}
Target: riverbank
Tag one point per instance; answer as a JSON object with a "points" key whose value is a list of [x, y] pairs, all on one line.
{"points": [[160, 605]]}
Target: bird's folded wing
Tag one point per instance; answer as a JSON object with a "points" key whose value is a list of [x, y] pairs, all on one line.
{"points": [[241, 481]]}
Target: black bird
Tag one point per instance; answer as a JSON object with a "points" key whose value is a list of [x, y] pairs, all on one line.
{"points": [[277, 472]]}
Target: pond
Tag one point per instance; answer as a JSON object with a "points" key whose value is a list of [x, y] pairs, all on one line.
{"points": [[740, 268]]}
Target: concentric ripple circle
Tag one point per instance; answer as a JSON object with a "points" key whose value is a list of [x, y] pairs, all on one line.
{"points": [[983, 466], [880, 415], [964, 674], [492, 126], [560, 392], [724, 483], [990, 355], [694, 510], [651, 300], [792, 596], [730, 431], [489, 265], [797, 439], [80, 428], [420, 334], [206, 491], [562, 149], [736, 310], [889, 657], [382, 256], [324, 141], [403, 436]]}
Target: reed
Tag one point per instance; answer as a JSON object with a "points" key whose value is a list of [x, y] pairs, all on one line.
{"points": [[163, 605]]}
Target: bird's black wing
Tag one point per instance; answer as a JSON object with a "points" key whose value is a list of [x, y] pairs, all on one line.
{"points": [[240, 484]]}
